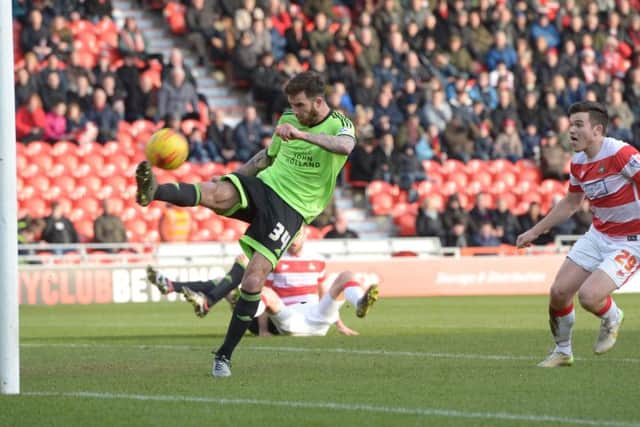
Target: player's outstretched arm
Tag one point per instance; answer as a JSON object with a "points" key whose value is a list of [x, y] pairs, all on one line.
{"points": [[339, 144], [560, 212], [255, 164]]}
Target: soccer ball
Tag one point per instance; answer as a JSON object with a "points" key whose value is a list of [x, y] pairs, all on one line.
{"points": [[167, 149]]}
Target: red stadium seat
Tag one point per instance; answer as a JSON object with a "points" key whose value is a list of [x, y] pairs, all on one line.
{"points": [[37, 148], [107, 170], [376, 187], [77, 214], [90, 206], [118, 182], [91, 182], [201, 235], [30, 170], [81, 171], [27, 192], [213, 224], [56, 170], [450, 187], [21, 160], [211, 169], [36, 207], [381, 203], [109, 149], [531, 175], [43, 160], [63, 148], [406, 224], [425, 188], [78, 192], [39, 183], [499, 166], [85, 230], [431, 166], [451, 166], [69, 161], [52, 194], [473, 166]]}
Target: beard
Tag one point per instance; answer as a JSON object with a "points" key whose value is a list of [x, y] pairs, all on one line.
{"points": [[311, 118]]}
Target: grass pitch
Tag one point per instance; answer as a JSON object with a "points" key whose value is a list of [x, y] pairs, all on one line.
{"points": [[437, 361]]}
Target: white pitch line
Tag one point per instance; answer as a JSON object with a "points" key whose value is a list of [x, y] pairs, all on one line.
{"points": [[365, 352], [425, 412]]}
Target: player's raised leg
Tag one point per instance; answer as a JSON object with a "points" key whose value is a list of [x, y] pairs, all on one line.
{"points": [[359, 294], [562, 313], [219, 195], [247, 306], [595, 296]]}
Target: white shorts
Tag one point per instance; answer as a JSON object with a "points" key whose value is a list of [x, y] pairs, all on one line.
{"points": [[618, 257], [310, 319]]}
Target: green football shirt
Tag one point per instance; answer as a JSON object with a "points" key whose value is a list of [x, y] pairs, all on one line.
{"points": [[304, 174]]}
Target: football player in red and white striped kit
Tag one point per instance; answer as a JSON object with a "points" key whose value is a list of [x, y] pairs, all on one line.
{"points": [[607, 172]]}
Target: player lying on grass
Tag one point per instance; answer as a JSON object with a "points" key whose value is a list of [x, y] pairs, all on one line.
{"points": [[298, 278]]}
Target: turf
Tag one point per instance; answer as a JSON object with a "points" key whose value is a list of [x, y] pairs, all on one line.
{"points": [[440, 361]]}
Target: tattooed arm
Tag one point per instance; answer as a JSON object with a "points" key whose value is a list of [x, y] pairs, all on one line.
{"points": [[255, 164]]}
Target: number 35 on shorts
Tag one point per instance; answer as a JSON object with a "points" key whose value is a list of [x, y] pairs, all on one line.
{"points": [[279, 233], [626, 262]]}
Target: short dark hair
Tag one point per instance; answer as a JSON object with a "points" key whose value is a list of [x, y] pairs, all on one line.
{"points": [[597, 113], [309, 82]]}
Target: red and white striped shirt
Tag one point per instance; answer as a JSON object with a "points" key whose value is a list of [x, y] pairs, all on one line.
{"points": [[610, 181], [297, 278]]}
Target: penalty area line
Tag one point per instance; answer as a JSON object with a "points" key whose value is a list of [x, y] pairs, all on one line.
{"points": [[423, 412]]}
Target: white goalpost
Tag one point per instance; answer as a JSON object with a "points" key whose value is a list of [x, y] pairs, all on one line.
{"points": [[9, 334]]}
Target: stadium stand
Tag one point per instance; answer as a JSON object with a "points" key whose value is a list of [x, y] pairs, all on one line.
{"points": [[468, 94]]}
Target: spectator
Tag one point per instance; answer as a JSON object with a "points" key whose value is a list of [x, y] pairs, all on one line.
{"points": [[552, 158], [549, 112], [589, 68], [34, 37], [339, 70], [78, 128], [199, 20], [480, 213], [485, 236], [483, 144], [52, 92], [247, 135], [178, 97], [30, 120], [531, 143], [362, 161], [544, 28], [320, 38], [382, 155], [221, 136], [386, 106], [457, 237], [297, 40], [501, 52], [438, 112], [583, 218], [245, 57], [340, 229], [25, 86], [508, 144], [82, 94], [365, 91], [413, 134], [61, 38], [460, 57], [619, 107], [529, 110], [202, 150], [617, 130], [56, 123], [532, 217], [108, 228], [131, 41], [267, 86], [176, 60], [458, 140], [479, 36], [261, 36], [175, 224], [387, 14], [506, 224], [505, 109], [407, 169], [103, 117], [429, 222], [59, 229]]}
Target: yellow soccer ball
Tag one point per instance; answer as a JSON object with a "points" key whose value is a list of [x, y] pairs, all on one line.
{"points": [[167, 149]]}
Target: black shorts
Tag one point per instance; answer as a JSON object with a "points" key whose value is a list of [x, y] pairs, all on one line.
{"points": [[273, 223]]}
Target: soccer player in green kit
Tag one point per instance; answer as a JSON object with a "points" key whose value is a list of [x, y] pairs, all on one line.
{"points": [[282, 186]]}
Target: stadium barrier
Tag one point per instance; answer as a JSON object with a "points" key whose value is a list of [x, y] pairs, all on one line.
{"points": [[120, 277]]}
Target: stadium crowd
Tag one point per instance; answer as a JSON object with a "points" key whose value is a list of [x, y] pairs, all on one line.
{"points": [[423, 80]]}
